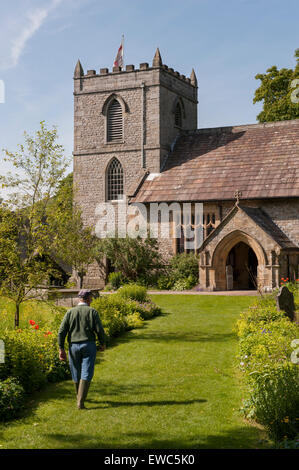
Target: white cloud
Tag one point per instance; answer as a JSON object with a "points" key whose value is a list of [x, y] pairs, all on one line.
{"points": [[19, 32]]}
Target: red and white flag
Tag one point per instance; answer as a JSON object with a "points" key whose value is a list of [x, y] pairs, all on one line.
{"points": [[119, 59]]}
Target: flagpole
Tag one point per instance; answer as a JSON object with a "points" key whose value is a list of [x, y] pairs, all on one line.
{"points": [[123, 42]]}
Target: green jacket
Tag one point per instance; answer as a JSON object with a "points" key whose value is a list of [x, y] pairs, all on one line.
{"points": [[81, 323]]}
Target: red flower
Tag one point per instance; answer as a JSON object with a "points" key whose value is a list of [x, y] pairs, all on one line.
{"points": [[36, 327], [32, 322]]}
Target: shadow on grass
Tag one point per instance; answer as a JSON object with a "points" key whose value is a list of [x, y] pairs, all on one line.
{"points": [[236, 438], [117, 404], [64, 391], [159, 337]]}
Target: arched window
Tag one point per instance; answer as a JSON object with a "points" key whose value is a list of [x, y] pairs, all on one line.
{"points": [[178, 115], [114, 122], [115, 180]]}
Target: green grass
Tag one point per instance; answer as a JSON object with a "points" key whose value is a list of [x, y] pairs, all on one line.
{"points": [[171, 384]]}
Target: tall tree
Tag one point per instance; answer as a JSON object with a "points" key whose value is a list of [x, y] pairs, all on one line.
{"points": [[279, 91], [25, 235]]}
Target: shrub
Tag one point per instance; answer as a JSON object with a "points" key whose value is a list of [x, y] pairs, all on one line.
{"points": [[133, 292], [116, 279], [12, 399], [165, 282], [119, 312], [32, 357], [275, 398], [184, 284], [184, 265], [182, 273], [265, 337]]}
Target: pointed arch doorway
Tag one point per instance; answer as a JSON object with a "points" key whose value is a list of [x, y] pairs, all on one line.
{"points": [[227, 273], [241, 267]]}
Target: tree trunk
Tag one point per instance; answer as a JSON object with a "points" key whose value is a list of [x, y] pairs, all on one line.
{"points": [[81, 277], [17, 315]]}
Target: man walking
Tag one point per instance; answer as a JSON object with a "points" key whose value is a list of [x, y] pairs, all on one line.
{"points": [[81, 323]]}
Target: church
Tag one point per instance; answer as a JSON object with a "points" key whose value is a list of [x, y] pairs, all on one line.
{"points": [[136, 137]]}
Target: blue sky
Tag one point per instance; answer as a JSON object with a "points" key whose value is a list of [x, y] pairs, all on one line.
{"points": [[227, 42]]}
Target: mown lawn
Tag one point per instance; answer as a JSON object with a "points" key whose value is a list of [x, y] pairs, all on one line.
{"points": [[171, 384]]}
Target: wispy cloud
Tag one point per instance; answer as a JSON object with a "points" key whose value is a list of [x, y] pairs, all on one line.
{"points": [[21, 31]]}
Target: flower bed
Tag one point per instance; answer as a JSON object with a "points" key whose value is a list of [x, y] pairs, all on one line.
{"points": [[272, 379]]}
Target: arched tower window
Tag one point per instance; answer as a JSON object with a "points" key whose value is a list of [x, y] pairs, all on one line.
{"points": [[178, 115], [114, 122], [115, 180]]}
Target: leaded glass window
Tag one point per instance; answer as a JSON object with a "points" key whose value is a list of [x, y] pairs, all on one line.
{"points": [[115, 180]]}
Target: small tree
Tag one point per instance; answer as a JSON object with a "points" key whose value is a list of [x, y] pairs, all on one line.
{"points": [[25, 235]]}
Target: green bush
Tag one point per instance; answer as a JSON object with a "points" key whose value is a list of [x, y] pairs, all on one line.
{"points": [[275, 399], [31, 356], [115, 280], [118, 312], [165, 282], [184, 265], [182, 273], [184, 284], [12, 399], [133, 292], [265, 337]]}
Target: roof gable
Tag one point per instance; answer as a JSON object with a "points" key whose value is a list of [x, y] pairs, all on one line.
{"points": [[260, 218]]}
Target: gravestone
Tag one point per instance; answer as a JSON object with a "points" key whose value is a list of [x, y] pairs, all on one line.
{"points": [[285, 302], [229, 277]]}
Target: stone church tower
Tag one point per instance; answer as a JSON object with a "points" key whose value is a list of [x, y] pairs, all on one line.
{"points": [[126, 123]]}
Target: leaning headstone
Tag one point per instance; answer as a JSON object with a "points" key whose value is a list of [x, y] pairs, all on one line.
{"points": [[285, 302]]}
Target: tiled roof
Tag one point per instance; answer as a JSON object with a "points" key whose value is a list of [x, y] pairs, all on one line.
{"points": [[260, 160]]}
